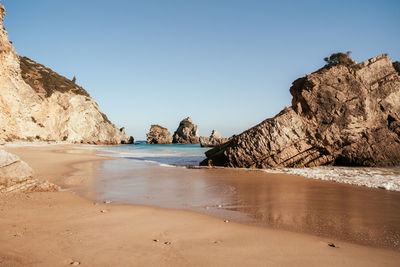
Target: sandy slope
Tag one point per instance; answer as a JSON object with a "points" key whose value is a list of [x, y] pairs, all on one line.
{"points": [[54, 229]]}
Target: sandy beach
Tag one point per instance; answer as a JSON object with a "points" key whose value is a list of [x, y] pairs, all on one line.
{"points": [[199, 133], [57, 229]]}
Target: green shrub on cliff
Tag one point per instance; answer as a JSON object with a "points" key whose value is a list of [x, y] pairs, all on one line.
{"points": [[339, 58], [45, 81]]}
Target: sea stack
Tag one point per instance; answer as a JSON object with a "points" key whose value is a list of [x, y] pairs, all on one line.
{"points": [[128, 140], [158, 135], [37, 104], [343, 114], [187, 133], [214, 139]]}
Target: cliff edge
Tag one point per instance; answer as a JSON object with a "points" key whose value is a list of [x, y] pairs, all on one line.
{"points": [[343, 114], [37, 104]]}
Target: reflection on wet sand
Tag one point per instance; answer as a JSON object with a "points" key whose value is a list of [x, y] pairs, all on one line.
{"points": [[340, 211]]}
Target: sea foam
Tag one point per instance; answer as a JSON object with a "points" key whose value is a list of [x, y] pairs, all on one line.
{"points": [[384, 178]]}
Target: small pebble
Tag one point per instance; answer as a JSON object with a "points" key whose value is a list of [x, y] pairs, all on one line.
{"points": [[226, 221], [75, 263], [107, 201], [332, 245], [103, 211], [167, 243], [219, 206], [156, 240]]}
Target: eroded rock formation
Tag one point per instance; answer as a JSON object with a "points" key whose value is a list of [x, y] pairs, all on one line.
{"points": [[16, 176], [38, 104], [159, 135], [128, 140], [214, 139], [187, 133], [342, 114]]}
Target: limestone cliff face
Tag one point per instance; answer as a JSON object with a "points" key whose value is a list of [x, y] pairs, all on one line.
{"points": [[340, 115], [187, 132], [38, 104], [159, 135]]}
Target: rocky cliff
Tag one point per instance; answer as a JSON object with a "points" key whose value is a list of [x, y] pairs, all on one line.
{"points": [[158, 135], [38, 104], [187, 132], [212, 141], [343, 114]]}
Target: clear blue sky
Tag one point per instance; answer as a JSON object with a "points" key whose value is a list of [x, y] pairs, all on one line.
{"points": [[227, 64]]}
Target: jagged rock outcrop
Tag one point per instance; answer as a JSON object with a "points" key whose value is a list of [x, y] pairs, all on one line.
{"points": [[159, 135], [187, 133], [214, 139], [396, 66], [342, 114], [38, 104], [128, 140], [16, 176]]}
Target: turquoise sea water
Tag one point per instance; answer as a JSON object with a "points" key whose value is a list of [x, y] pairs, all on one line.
{"points": [[173, 154]]}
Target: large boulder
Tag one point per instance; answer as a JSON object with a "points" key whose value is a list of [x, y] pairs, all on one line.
{"points": [[343, 114], [16, 176], [187, 133], [158, 135], [12, 167], [212, 141]]}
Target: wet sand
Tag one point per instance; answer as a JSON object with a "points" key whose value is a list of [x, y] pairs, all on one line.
{"points": [[55, 229], [340, 211]]}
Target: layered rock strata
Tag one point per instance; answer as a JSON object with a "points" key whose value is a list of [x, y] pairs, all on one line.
{"points": [[37, 104], [212, 141], [187, 132], [16, 176], [342, 114], [158, 135]]}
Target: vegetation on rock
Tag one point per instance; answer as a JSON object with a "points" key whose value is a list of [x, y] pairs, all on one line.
{"points": [[45, 81], [340, 58]]}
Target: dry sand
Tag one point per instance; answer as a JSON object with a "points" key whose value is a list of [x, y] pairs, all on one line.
{"points": [[56, 229]]}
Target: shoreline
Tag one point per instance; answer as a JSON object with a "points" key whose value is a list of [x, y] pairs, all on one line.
{"points": [[193, 236], [384, 178], [327, 209]]}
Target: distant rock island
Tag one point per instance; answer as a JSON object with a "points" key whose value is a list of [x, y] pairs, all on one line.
{"points": [[37, 104], [343, 114], [159, 135], [187, 133], [214, 139]]}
